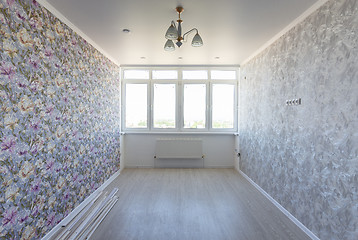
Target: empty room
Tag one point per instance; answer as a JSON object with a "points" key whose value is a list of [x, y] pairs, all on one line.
{"points": [[179, 120]]}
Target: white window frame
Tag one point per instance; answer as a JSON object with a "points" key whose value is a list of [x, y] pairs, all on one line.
{"points": [[123, 107], [206, 129], [179, 85], [235, 110]]}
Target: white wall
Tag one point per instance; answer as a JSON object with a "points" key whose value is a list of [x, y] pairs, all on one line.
{"points": [[237, 151], [139, 149]]}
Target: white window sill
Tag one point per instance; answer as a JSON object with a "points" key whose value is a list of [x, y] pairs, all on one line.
{"points": [[178, 133]]}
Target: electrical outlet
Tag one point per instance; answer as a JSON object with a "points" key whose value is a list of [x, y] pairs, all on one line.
{"points": [[291, 102]]}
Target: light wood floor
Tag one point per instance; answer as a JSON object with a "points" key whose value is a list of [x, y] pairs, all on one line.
{"points": [[192, 204]]}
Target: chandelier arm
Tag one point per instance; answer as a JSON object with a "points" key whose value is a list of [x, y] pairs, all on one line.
{"points": [[188, 32]]}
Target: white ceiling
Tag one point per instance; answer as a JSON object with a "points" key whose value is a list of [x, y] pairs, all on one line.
{"points": [[231, 29]]}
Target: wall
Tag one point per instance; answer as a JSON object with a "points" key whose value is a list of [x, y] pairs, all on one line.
{"points": [[139, 149], [237, 153], [59, 120], [306, 156]]}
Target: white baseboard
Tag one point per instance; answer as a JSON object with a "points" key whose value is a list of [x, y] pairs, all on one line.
{"points": [[219, 167], [79, 208], [282, 209]]}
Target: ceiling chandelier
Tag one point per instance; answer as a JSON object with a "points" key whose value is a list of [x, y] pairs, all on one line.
{"points": [[174, 33]]}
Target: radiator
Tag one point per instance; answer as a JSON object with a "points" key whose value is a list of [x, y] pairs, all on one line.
{"points": [[179, 148]]}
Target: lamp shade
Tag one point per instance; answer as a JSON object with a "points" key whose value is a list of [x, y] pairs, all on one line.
{"points": [[169, 46], [197, 41], [171, 33]]}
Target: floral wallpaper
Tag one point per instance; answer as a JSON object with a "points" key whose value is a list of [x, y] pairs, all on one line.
{"points": [[59, 120], [306, 156]]}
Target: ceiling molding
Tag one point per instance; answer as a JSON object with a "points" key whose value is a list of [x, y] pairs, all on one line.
{"points": [[295, 22], [59, 15]]}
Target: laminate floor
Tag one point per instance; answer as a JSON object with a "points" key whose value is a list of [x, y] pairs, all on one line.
{"points": [[192, 204]]}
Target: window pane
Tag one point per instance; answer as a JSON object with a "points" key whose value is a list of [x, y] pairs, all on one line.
{"points": [[194, 105], [223, 106], [136, 74], [224, 75], [136, 106], [197, 74], [165, 74], [164, 106]]}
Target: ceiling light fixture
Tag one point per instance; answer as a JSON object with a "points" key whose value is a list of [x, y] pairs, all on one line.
{"points": [[174, 33]]}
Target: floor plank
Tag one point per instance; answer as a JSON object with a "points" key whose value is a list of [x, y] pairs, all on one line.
{"points": [[173, 204]]}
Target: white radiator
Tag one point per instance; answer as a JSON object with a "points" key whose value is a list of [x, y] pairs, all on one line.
{"points": [[179, 148]]}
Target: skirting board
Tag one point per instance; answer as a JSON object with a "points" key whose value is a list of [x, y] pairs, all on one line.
{"points": [[80, 207], [282, 209]]}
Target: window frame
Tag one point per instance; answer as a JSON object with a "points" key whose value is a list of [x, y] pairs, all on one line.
{"points": [[235, 106], [207, 104], [179, 111], [124, 110]]}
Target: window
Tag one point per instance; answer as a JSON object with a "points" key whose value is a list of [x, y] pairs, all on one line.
{"points": [[136, 74], [194, 105], [223, 74], [179, 99], [136, 106], [165, 74], [195, 74], [223, 104], [164, 106]]}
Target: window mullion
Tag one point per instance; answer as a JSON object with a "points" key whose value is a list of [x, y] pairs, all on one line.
{"points": [[179, 105], [150, 104], [209, 106]]}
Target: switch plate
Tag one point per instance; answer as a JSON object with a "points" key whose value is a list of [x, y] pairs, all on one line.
{"points": [[292, 102]]}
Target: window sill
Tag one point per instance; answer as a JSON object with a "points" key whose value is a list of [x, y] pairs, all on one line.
{"points": [[179, 133]]}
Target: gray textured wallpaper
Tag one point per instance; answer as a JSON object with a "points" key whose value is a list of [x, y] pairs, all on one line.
{"points": [[305, 156]]}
